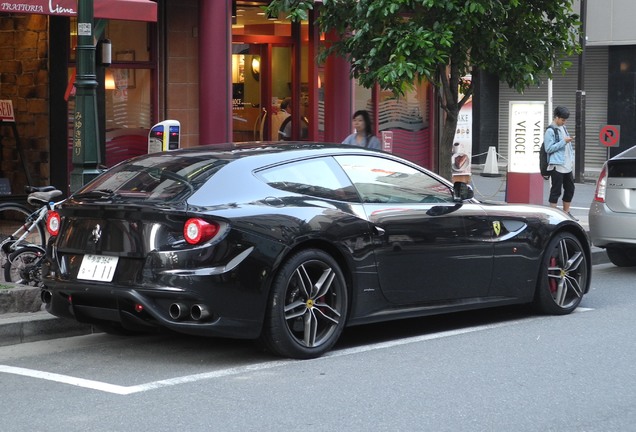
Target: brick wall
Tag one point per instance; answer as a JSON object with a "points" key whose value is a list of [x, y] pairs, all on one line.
{"points": [[24, 80]]}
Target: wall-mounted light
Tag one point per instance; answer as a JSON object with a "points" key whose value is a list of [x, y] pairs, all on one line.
{"points": [[104, 52], [256, 67], [109, 80]]}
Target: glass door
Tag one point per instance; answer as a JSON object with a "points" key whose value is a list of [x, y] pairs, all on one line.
{"points": [[247, 109], [261, 92]]}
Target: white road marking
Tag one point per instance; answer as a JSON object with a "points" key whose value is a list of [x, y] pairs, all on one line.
{"points": [[127, 390]]}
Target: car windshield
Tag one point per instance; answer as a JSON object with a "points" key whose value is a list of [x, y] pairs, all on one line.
{"points": [[163, 177]]}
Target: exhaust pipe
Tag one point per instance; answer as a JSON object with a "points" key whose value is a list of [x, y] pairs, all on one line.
{"points": [[46, 296], [199, 312], [178, 311]]}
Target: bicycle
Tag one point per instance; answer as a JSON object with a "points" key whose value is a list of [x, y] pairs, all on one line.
{"points": [[22, 249]]}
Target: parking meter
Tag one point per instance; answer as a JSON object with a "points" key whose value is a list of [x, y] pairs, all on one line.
{"points": [[164, 136]]}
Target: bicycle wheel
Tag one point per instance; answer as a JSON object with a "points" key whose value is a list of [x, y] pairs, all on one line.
{"points": [[24, 266], [15, 220]]}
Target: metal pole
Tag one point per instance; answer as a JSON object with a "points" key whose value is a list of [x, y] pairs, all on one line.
{"points": [[579, 157], [86, 156]]}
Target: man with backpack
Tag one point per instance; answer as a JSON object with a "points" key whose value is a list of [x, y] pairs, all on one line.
{"points": [[559, 147]]}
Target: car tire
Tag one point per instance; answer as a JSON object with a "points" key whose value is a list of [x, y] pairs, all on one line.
{"points": [[621, 257], [563, 277], [308, 305]]}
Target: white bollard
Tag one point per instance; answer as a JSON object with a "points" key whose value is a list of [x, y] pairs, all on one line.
{"points": [[491, 167]]}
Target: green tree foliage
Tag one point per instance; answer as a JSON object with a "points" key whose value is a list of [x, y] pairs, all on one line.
{"points": [[396, 43]]}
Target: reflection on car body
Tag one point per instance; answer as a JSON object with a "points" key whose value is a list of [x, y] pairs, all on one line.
{"points": [[289, 243]]}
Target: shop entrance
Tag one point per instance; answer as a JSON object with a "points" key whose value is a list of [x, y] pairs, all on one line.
{"points": [[269, 76], [261, 91]]}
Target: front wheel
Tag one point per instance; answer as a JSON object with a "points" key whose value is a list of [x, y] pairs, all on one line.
{"points": [[564, 276], [307, 309], [24, 266]]}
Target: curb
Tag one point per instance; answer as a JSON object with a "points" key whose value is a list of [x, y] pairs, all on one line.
{"points": [[17, 328]]}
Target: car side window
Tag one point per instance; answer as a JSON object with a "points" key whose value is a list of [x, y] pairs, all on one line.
{"points": [[319, 177], [381, 180]]}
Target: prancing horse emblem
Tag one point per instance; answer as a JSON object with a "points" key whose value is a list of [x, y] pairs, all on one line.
{"points": [[496, 226], [96, 234]]}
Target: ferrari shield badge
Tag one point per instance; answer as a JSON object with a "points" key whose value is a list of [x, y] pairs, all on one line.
{"points": [[496, 226]]}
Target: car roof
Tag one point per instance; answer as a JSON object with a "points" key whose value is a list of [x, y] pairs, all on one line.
{"points": [[259, 154], [630, 153], [240, 150]]}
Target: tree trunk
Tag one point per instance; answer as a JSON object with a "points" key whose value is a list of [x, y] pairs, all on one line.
{"points": [[446, 144], [451, 105]]}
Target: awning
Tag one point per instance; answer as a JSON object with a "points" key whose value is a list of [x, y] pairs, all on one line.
{"points": [[133, 10]]}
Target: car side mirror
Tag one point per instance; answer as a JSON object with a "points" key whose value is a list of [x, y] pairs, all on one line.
{"points": [[462, 191]]}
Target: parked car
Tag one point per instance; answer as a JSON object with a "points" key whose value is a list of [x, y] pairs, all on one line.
{"points": [[288, 243], [612, 214]]}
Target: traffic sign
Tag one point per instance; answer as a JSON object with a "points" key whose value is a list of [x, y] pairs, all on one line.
{"points": [[610, 135]]}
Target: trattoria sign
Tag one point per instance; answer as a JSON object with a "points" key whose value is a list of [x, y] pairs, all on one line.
{"points": [[135, 10], [47, 7], [525, 136]]}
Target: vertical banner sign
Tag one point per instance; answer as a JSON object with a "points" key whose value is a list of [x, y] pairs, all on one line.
{"points": [[463, 142], [526, 133], [387, 141]]}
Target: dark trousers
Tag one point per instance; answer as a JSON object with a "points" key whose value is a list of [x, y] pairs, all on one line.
{"points": [[559, 180]]}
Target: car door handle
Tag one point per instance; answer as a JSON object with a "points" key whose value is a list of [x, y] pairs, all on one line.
{"points": [[378, 231]]}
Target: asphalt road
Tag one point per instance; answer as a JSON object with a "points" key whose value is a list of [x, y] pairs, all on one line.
{"points": [[498, 370]]}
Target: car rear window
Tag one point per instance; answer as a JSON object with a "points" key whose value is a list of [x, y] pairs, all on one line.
{"points": [[162, 177], [622, 169]]}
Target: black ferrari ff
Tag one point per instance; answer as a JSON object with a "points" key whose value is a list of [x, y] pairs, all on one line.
{"points": [[288, 243]]}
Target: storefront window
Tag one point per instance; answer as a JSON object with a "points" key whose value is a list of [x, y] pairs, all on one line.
{"points": [[127, 85], [405, 117]]}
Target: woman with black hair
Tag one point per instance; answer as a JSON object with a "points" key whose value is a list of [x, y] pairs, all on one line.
{"points": [[363, 135]]}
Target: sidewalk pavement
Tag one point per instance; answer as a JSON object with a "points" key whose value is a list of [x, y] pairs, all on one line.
{"points": [[23, 319]]}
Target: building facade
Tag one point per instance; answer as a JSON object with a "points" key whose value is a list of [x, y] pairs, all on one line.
{"points": [[222, 69]]}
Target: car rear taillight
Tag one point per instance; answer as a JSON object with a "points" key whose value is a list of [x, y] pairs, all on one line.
{"points": [[601, 185], [198, 231], [53, 222]]}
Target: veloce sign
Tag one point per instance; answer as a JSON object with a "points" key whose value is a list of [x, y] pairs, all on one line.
{"points": [[526, 131]]}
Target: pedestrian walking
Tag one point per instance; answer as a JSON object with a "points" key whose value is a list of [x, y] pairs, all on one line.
{"points": [[560, 148]]}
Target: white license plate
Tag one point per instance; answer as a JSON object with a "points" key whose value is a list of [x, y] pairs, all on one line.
{"points": [[98, 268]]}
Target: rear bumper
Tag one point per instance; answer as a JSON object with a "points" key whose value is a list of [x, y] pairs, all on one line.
{"points": [[226, 312], [609, 228]]}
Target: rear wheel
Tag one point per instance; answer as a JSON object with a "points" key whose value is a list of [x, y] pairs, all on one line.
{"points": [[622, 257], [307, 308], [24, 266], [564, 276]]}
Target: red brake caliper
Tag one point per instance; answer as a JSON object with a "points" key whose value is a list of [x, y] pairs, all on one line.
{"points": [[552, 281]]}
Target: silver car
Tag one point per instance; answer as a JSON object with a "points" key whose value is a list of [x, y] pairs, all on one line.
{"points": [[612, 214]]}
